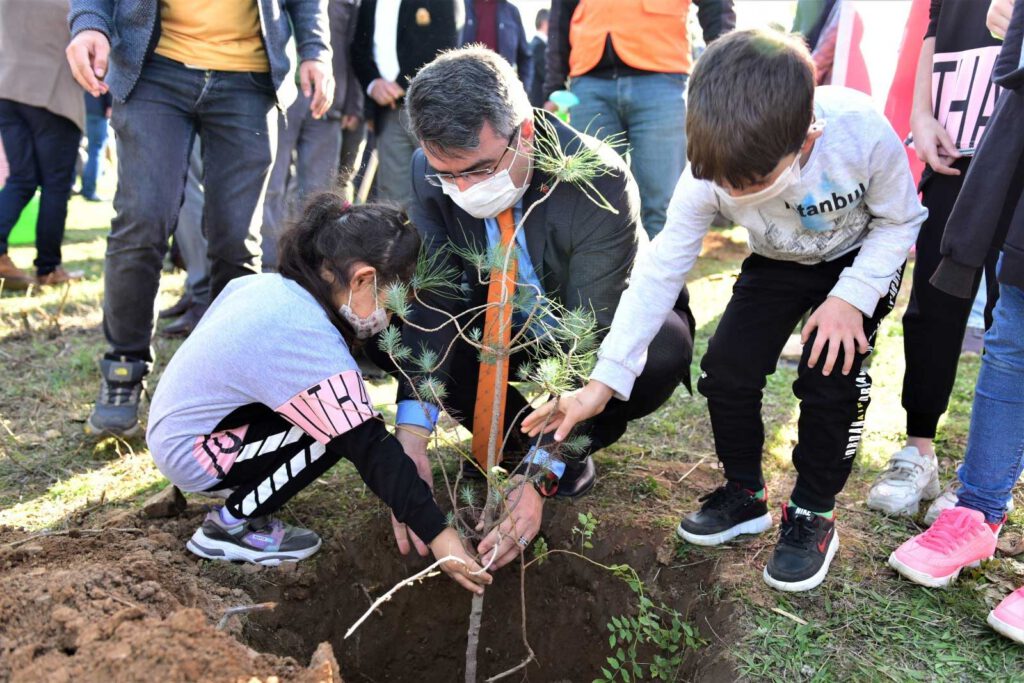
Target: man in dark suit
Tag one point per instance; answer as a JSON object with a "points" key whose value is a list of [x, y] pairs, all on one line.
{"points": [[474, 123], [538, 59], [498, 25], [392, 41]]}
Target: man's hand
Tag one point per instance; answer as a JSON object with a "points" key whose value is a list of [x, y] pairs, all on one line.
{"points": [[349, 122], [933, 144], [317, 81], [87, 55], [998, 18], [385, 93], [467, 573], [524, 507], [566, 411], [414, 443], [840, 325]]}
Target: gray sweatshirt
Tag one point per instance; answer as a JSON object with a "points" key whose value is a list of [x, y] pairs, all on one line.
{"points": [[855, 192]]}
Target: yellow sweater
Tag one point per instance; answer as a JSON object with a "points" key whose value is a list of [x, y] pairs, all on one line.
{"points": [[222, 35]]}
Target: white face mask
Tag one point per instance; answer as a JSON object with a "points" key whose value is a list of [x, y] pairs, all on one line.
{"points": [[370, 325], [488, 198], [786, 180]]}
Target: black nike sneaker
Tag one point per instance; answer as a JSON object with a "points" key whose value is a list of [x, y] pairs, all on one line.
{"points": [[727, 512], [807, 544]]}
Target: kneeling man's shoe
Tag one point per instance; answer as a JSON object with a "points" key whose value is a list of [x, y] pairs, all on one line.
{"points": [[578, 479]]}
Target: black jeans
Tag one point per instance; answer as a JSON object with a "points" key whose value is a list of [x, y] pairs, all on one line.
{"points": [[769, 299], [234, 115], [934, 323], [668, 366], [41, 149]]}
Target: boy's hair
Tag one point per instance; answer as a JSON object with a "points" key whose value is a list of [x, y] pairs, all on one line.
{"points": [[333, 234], [542, 16], [751, 103]]}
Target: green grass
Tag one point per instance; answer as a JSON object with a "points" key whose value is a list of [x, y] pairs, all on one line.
{"points": [[864, 623]]}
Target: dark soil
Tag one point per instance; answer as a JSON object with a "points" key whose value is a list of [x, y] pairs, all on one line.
{"points": [[420, 635]]}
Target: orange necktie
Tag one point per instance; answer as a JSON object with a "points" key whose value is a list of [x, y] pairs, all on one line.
{"points": [[497, 335]]}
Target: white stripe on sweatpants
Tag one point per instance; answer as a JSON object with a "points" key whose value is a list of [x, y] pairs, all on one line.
{"points": [[280, 477]]}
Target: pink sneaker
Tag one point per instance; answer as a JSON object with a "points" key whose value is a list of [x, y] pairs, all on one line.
{"points": [[1008, 616], [959, 538]]}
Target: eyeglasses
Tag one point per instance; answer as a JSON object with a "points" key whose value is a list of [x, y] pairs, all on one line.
{"points": [[437, 179]]}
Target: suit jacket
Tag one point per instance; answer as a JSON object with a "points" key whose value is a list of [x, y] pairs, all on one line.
{"points": [[418, 42], [583, 254], [512, 43], [33, 67], [538, 54]]}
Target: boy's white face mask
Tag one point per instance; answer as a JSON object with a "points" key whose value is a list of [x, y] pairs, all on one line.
{"points": [[786, 180], [490, 197]]}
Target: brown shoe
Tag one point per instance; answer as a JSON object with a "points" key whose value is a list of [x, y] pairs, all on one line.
{"points": [[13, 277], [58, 277], [183, 326]]}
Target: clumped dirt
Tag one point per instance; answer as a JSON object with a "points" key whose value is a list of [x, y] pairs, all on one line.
{"points": [[124, 601], [122, 605], [420, 634]]}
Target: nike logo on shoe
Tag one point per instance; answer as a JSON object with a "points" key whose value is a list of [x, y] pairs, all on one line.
{"points": [[823, 545]]}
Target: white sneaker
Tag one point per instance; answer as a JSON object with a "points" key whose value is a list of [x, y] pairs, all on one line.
{"points": [[909, 479], [949, 499]]}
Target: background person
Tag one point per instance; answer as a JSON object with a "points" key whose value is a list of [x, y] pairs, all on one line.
{"points": [[178, 69], [628, 62], [42, 116]]}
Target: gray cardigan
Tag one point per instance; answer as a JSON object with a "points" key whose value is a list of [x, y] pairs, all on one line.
{"points": [[133, 31]]}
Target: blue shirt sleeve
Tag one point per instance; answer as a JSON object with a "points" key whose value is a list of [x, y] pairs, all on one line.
{"points": [[541, 458], [415, 413]]}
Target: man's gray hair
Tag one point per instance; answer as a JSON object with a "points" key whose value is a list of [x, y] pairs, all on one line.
{"points": [[451, 97]]}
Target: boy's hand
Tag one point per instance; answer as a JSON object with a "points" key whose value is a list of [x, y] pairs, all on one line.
{"points": [[466, 573], [840, 325], [933, 144], [525, 507], [566, 411], [414, 442], [87, 55]]}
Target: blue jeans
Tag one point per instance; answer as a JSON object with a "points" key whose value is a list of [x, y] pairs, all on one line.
{"points": [[235, 116], [649, 113], [96, 130], [41, 148], [995, 445]]}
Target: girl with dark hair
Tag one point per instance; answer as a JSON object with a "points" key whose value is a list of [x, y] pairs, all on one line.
{"points": [[265, 396]]}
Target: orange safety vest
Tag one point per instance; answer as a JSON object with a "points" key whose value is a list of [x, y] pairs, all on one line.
{"points": [[646, 34]]}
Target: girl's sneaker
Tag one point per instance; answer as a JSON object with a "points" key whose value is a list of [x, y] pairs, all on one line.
{"points": [[910, 478], [959, 538], [1008, 616], [727, 512], [259, 540]]}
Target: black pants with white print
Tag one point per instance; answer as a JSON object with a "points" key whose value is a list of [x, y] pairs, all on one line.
{"points": [[769, 299], [275, 461]]}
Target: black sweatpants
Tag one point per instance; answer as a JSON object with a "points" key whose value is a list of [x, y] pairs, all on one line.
{"points": [[273, 460], [934, 323], [668, 365], [769, 299]]}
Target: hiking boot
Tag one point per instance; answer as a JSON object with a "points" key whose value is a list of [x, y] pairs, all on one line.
{"points": [[959, 538], [183, 326], [117, 409], [909, 479], [727, 512], [177, 308], [59, 276], [259, 540], [13, 277], [1008, 616], [807, 544]]}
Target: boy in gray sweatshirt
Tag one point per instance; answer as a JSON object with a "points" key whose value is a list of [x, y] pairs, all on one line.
{"points": [[821, 182]]}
